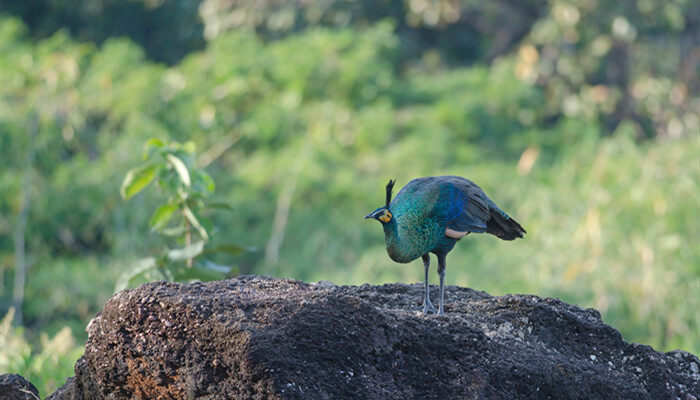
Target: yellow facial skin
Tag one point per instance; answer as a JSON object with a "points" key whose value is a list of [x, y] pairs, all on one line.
{"points": [[386, 217]]}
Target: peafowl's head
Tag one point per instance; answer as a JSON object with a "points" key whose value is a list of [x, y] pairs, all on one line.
{"points": [[382, 214]]}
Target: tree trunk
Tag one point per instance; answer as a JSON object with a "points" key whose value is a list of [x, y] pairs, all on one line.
{"points": [[20, 230], [279, 224], [284, 203]]}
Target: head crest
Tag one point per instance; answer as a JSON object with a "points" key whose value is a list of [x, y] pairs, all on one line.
{"points": [[389, 188]]}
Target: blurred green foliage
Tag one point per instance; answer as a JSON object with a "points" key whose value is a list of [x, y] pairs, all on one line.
{"points": [[48, 366], [580, 118]]}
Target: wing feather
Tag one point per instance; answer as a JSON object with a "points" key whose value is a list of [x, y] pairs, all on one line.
{"points": [[469, 208]]}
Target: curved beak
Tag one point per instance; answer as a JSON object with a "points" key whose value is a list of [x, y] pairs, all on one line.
{"points": [[373, 214]]}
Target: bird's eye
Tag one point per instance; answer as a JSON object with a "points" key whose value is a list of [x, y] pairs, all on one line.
{"points": [[386, 217]]}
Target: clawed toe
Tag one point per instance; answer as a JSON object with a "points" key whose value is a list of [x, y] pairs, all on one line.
{"points": [[426, 309]]}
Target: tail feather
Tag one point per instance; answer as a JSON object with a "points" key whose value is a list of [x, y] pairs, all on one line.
{"points": [[503, 226]]}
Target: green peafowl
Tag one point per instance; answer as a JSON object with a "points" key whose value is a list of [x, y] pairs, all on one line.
{"points": [[431, 214]]}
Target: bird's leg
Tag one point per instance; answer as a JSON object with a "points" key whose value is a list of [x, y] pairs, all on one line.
{"points": [[441, 273], [427, 305]]}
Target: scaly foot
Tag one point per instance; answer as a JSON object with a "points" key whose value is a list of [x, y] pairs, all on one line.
{"points": [[426, 308]]}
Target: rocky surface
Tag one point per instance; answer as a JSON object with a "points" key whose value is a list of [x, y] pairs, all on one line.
{"points": [[263, 338], [15, 387]]}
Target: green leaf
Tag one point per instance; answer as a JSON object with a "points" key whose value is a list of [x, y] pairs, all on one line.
{"points": [[162, 215], [195, 222], [151, 145], [154, 142], [198, 273], [187, 252], [224, 269], [168, 275], [232, 249], [181, 169], [137, 179], [207, 224], [218, 204], [140, 267], [188, 147], [154, 274], [176, 231], [206, 181]]}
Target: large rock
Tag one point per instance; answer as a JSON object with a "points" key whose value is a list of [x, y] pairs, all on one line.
{"points": [[263, 338], [15, 387]]}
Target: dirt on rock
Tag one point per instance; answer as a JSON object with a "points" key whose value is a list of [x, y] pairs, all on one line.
{"points": [[263, 338]]}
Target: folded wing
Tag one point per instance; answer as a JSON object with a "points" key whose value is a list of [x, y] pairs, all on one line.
{"points": [[470, 210]]}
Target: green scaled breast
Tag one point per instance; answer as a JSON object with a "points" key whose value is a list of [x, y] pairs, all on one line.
{"points": [[416, 226]]}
